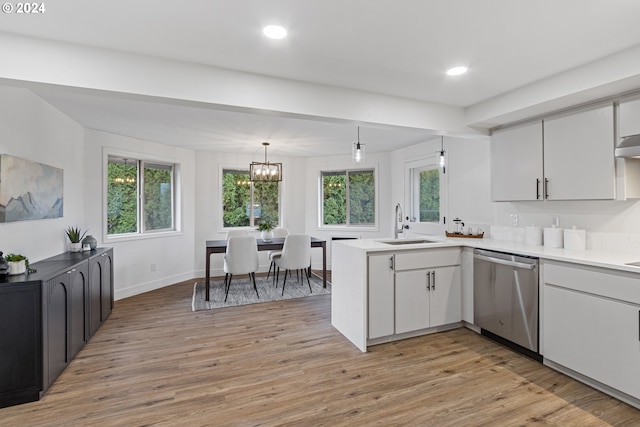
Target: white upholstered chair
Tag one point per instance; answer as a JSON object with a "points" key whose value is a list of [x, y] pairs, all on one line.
{"points": [[241, 257], [239, 232], [296, 255], [278, 233]]}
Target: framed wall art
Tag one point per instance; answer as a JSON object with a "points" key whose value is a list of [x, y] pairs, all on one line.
{"points": [[29, 190]]}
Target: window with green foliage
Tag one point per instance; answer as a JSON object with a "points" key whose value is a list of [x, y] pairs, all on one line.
{"points": [[348, 197], [425, 191], [140, 196], [246, 204]]}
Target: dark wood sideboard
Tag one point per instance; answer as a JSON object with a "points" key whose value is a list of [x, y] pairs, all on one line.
{"points": [[46, 318]]}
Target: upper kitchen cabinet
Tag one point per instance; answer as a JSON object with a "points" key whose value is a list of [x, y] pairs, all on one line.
{"points": [[629, 115], [516, 163], [569, 157], [579, 162]]}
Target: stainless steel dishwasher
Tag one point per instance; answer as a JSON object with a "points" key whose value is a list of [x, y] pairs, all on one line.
{"points": [[505, 299]]}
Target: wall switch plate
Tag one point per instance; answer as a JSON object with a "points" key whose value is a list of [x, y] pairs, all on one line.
{"points": [[514, 220], [555, 220], [153, 266]]}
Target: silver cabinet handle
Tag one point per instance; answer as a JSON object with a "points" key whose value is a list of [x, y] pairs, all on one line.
{"points": [[433, 286], [537, 189], [428, 281], [546, 188], [505, 262], [391, 262]]}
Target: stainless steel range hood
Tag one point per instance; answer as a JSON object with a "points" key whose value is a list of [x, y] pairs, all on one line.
{"points": [[629, 147]]}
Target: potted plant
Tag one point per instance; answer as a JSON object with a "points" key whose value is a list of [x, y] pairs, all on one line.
{"points": [[17, 263], [75, 236], [266, 229]]}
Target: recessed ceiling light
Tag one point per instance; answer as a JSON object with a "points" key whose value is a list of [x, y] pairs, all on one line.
{"points": [[274, 32], [456, 71]]}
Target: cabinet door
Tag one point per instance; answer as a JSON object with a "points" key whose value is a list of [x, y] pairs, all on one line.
{"points": [[380, 304], [412, 300], [20, 343], [516, 163], [57, 297], [101, 289], [597, 337], [579, 161], [79, 312], [445, 303], [629, 113]]}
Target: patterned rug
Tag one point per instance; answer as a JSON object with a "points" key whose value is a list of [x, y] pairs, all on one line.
{"points": [[242, 292]]}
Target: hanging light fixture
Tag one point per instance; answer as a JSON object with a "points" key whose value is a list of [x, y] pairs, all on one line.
{"points": [[265, 171], [124, 179], [443, 161], [357, 151]]}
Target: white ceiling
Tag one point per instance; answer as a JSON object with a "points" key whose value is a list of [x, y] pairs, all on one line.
{"points": [[393, 47]]}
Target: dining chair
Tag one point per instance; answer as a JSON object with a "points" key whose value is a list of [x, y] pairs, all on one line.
{"points": [[241, 257], [296, 255], [281, 233], [234, 233]]}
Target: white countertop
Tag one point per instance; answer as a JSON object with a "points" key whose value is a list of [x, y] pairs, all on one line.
{"points": [[586, 257]]}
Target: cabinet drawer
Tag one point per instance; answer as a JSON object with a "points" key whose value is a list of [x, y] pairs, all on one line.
{"points": [[427, 258], [620, 285]]}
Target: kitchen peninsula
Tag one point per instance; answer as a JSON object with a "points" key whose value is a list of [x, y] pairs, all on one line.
{"points": [[385, 290]]}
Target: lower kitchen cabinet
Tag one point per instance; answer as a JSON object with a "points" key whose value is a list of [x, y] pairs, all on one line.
{"points": [[592, 324], [427, 298], [45, 321], [413, 290]]}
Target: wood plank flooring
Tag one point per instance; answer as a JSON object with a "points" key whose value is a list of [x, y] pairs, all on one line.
{"points": [[155, 362]]}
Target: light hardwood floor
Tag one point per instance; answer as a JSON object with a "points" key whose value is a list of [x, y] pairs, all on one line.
{"points": [[155, 362]]}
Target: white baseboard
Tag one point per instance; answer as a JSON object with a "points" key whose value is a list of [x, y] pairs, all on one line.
{"points": [[151, 286]]}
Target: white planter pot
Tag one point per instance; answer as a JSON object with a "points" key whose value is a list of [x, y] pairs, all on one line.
{"points": [[17, 267], [75, 247], [266, 235]]}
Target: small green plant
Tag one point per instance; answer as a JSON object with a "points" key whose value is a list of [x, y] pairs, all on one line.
{"points": [[15, 257], [75, 234], [265, 225]]}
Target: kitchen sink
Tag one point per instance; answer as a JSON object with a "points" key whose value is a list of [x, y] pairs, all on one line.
{"points": [[408, 241]]}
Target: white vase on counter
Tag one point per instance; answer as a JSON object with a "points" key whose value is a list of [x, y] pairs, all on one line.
{"points": [[75, 247], [17, 267]]}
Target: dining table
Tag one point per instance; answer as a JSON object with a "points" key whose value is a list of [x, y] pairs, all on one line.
{"points": [[275, 244]]}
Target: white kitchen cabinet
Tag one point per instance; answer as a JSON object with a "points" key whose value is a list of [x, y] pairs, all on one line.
{"points": [[629, 118], [579, 161], [380, 295], [427, 298], [592, 325], [516, 163], [569, 157]]}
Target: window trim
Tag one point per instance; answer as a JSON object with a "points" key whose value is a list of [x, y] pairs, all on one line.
{"points": [[221, 227], [410, 200], [176, 197], [376, 211]]}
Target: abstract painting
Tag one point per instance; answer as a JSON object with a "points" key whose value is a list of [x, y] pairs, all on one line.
{"points": [[29, 190]]}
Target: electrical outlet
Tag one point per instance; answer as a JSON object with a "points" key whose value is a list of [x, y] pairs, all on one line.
{"points": [[153, 266], [555, 220], [514, 220]]}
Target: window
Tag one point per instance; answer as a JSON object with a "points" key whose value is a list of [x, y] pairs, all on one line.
{"points": [[348, 197], [140, 196], [425, 190], [245, 204]]}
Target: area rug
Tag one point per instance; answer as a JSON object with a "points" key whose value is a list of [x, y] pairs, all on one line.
{"points": [[242, 292]]}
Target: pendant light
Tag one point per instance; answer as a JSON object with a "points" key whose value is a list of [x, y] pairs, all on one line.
{"points": [[124, 179], [357, 151], [443, 162], [265, 171]]}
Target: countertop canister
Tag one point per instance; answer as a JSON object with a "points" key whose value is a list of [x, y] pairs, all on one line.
{"points": [[553, 237], [533, 236], [575, 239]]}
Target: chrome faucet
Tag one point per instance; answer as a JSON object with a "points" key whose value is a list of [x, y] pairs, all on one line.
{"points": [[397, 226]]}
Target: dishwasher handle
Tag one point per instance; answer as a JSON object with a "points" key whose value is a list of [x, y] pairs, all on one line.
{"points": [[505, 262]]}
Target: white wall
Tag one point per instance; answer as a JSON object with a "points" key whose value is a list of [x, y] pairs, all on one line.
{"points": [[173, 255], [313, 167], [208, 217], [33, 130], [467, 176]]}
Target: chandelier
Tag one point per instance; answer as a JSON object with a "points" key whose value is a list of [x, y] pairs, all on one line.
{"points": [[124, 179], [265, 171]]}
